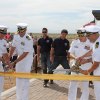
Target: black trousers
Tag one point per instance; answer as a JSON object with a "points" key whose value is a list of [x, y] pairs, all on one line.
{"points": [[45, 62]]}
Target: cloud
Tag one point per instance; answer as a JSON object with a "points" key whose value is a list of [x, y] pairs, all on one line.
{"points": [[53, 14]]}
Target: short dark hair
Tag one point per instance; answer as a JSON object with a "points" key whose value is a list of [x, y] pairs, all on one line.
{"points": [[44, 30], [64, 31]]}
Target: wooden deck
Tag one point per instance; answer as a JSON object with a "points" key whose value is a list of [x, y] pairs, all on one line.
{"points": [[56, 91]]}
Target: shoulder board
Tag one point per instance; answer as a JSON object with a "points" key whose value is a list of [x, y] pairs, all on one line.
{"points": [[28, 37], [96, 44]]}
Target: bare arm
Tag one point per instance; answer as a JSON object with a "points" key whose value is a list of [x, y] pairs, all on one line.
{"points": [[72, 56], [11, 51], [52, 54], [21, 57], [38, 50], [94, 66], [89, 53], [0, 58], [5, 58], [68, 57], [38, 53]]}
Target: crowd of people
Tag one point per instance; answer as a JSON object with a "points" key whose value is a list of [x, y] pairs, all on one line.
{"points": [[23, 51]]}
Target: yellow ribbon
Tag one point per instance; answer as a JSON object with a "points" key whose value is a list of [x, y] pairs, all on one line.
{"points": [[51, 76]]}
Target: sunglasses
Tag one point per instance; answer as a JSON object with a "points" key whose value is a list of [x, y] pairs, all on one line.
{"points": [[44, 31], [89, 33], [81, 35], [21, 31]]}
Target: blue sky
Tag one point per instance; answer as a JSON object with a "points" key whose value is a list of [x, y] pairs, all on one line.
{"points": [[53, 14]]}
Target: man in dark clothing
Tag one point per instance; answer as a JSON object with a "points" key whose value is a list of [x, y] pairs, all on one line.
{"points": [[43, 48], [59, 52]]}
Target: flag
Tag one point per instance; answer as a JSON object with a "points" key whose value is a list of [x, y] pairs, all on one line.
{"points": [[90, 23]]}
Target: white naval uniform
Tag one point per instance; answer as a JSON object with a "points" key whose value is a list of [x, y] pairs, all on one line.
{"points": [[23, 44], [78, 49], [3, 50], [96, 58]]}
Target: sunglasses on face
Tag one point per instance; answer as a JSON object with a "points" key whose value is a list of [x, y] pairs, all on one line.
{"points": [[44, 31], [89, 34], [21, 31], [81, 35]]}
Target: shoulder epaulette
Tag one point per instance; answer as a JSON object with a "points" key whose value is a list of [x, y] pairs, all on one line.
{"points": [[28, 37], [97, 45]]}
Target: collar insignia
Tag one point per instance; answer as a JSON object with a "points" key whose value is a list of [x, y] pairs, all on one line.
{"points": [[22, 43]]}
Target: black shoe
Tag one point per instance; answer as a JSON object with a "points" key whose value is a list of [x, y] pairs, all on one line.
{"points": [[91, 85], [45, 85], [51, 82]]}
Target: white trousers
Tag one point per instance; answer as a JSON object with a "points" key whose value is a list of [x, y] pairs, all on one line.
{"points": [[22, 89], [72, 94], [1, 85], [1, 80], [22, 85], [97, 89]]}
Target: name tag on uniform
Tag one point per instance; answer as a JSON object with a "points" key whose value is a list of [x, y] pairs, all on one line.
{"points": [[47, 41], [65, 44], [75, 46], [87, 47]]}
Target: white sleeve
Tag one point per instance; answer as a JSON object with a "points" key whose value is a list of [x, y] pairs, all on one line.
{"points": [[72, 49], [4, 49], [96, 55], [14, 41], [28, 46]]}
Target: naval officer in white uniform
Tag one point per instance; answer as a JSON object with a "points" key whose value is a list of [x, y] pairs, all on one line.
{"points": [[3, 54], [23, 44], [93, 35], [78, 48]]}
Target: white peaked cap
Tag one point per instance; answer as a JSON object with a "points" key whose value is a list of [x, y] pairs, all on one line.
{"points": [[82, 29], [2, 27], [22, 25], [92, 28]]}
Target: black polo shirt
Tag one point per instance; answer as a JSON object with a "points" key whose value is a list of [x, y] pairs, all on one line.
{"points": [[45, 44], [60, 47]]}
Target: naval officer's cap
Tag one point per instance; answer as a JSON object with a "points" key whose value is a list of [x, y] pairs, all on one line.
{"points": [[81, 32], [3, 29], [22, 26], [92, 29]]}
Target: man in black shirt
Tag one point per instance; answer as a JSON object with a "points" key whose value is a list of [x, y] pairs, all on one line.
{"points": [[59, 52], [43, 48]]}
